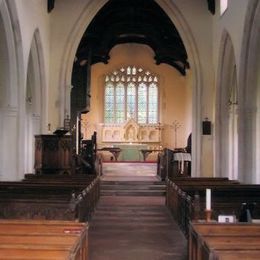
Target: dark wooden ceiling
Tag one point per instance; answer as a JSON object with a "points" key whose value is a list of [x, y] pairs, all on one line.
{"points": [[138, 21]]}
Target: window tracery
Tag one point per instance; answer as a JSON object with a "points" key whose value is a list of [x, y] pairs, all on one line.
{"points": [[131, 92]]}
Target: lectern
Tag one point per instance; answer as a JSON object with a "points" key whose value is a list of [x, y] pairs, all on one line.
{"points": [[53, 154]]}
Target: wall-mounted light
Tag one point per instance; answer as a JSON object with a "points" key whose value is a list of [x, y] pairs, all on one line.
{"points": [[206, 127]]}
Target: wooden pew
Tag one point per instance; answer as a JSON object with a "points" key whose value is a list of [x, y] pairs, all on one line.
{"points": [[186, 199], [43, 240], [224, 241], [186, 206], [49, 199]]}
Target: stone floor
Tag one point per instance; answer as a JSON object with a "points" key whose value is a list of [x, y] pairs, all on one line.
{"points": [[129, 171], [134, 227]]}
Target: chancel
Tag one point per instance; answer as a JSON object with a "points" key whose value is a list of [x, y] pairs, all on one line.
{"points": [[116, 114]]}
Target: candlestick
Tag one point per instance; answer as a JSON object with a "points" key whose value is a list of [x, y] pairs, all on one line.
{"points": [[49, 128], [208, 215], [208, 199]]}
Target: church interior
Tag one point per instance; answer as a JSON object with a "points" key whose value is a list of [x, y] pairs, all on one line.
{"points": [[129, 129]]}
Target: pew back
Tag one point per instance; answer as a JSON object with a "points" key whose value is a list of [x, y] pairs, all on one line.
{"points": [[223, 241], [43, 240], [186, 198]]}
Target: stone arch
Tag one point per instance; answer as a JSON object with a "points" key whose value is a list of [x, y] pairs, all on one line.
{"points": [[35, 104], [10, 90], [11, 105], [249, 97], [226, 111], [175, 15]]}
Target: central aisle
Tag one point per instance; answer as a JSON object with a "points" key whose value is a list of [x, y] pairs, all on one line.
{"points": [[134, 227]]}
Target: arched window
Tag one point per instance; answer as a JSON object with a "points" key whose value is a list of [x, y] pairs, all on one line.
{"points": [[131, 92]]}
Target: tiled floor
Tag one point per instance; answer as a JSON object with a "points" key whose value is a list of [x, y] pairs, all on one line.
{"points": [[134, 227]]}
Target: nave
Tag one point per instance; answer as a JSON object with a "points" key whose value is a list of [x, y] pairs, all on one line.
{"points": [[131, 220]]}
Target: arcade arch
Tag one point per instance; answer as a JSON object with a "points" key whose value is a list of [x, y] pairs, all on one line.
{"points": [[227, 112], [249, 97]]}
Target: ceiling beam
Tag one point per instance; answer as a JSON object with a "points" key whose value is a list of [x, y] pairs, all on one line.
{"points": [[138, 21]]}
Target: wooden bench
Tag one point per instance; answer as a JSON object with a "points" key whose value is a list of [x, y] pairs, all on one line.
{"points": [[49, 199], [224, 241], [43, 240], [186, 199], [184, 206]]}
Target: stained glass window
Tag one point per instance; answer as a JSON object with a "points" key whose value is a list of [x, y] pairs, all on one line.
{"points": [[153, 103], [142, 103], [109, 103], [130, 101], [131, 92], [120, 103]]}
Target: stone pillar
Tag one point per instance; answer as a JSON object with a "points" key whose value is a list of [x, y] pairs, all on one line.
{"points": [[10, 145]]}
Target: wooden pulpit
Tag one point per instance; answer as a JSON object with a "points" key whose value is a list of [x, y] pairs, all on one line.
{"points": [[53, 154]]}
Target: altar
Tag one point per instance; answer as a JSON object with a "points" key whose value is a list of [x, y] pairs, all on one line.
{"points": [[131, 152], [131, 132], [134, 140]]}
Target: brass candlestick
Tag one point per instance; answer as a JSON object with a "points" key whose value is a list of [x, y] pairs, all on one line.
{"points": [[49, 128], [208, 213]]}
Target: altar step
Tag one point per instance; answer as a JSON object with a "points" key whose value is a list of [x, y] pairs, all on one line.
{"points": [[133, 188]]}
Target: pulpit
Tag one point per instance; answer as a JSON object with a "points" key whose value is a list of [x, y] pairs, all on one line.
{"points": [[53, 154]]}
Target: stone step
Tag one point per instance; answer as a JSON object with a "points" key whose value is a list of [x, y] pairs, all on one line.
{"points": [[136, 219], [132, 183], [132, 187], [99, 226], [111, 206], [132, 193], [128, 213], [119, 230]]}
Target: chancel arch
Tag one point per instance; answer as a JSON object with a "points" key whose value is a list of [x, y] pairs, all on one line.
{"points": [[181, 24], [249, 97], [227, 112]]}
